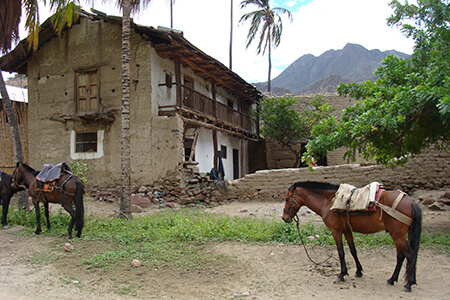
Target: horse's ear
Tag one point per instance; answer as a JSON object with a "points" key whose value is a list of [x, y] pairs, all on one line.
{"points": [[17, 164]]}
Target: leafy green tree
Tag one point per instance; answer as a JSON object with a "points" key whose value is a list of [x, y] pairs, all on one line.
{"points": [[267, 21], [281, 122], [408, 108]]}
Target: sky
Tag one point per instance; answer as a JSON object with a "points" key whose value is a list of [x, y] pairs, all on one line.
{"points": [[317, 26]]}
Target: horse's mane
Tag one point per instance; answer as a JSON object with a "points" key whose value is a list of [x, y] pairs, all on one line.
{"points": [[30, 169], [314, 185]]}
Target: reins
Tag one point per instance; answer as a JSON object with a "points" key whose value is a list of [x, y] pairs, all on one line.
{"points": [[297, 221]]}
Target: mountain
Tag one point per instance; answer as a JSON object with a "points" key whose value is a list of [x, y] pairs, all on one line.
{"points": [[311, 74]]}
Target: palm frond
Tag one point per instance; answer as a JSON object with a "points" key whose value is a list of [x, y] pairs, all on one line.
{"points": [[10, 15]]}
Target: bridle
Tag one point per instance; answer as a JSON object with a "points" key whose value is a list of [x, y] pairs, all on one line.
{"points": [[288, 210], [297, 221], [21, 186]]}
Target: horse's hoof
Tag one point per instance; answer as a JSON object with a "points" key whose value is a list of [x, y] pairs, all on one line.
{"points": [[38, 232], [406, 289], [339, 280], [5, 226], [390, 282], [358, 274]]}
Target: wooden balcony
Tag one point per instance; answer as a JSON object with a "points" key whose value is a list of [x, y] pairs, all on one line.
{"points": [[198, 107]]}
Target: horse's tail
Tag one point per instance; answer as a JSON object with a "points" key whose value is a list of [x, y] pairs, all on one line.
{"points": [[414, 233], [79, 207]]}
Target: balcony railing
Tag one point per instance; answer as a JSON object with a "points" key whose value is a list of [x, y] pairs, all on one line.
{"points": [[201, 103]]}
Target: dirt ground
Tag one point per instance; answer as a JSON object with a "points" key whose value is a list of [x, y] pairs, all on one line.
{"points": [[251, 271]]}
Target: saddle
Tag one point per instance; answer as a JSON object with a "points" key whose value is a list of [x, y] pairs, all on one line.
{"points": [[45, 180], [350, 198]]}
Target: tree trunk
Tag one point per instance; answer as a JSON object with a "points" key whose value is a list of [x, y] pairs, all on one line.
{"points": [[231, 37], [125, 164], [18, 157], [270, 61], [171, 13], [7, 104]]}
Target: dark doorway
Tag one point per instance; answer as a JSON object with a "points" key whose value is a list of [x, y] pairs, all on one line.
{"points": [[235, 164]]}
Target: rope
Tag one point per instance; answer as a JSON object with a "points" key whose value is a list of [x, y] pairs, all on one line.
{"points": [[304, 245]]}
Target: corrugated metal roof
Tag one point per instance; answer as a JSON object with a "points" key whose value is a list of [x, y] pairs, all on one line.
{"points": [[17, 94]]}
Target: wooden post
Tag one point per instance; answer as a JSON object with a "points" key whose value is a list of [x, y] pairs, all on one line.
{"points": [[215, 146], [179, 95], [213, 96]]}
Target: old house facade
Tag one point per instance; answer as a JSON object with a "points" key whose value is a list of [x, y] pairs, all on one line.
{"points": [[185, 106], [19, 99]]}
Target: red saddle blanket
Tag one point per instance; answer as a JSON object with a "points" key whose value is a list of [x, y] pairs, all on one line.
{"points": [[44, 186]]}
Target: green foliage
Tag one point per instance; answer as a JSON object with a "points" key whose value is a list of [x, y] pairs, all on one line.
{"points": [[408, 108], [282, 123], [79, 169]]}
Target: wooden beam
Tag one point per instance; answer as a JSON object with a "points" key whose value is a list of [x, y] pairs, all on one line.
{"points": [[178, 80]]}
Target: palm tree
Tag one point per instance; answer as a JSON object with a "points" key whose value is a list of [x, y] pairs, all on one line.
{"points": [[10, 16], [172, 2], [125, 159], [231, 35], [128, 6], [267, 21]]}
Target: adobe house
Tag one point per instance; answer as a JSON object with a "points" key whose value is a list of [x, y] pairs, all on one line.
{"points": [[19, 101], [185, 106]]}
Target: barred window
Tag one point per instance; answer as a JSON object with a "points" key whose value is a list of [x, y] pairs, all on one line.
{"points": [[86, 142]]}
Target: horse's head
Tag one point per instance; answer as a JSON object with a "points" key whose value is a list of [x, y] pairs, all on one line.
{"points": [[292, 204], [18, 180]]}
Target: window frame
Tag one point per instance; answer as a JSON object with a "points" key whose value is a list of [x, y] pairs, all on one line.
{"points": [[88, 95], [86, 155]]}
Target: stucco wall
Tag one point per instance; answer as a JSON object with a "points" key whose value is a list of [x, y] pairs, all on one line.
{"points": [[156, 145], [204, 152], [156, 141]]}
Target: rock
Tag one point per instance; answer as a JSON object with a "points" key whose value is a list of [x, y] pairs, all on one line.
{"points": [[113, 213], [436, 206], [446, 195], [242, 295], [68, 247], [143, 202], [134, 189], [135, 263], [200, 197], [428, 201], [142, 189], [136, 208]]}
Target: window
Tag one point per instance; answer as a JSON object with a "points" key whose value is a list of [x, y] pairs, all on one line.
{"points": [[87, 91], [223, 149], [86, 144], [168, 80], [230, 103], [188, 91]]}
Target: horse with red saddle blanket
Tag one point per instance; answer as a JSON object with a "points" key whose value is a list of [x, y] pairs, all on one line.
{"points": [[53, 184]]}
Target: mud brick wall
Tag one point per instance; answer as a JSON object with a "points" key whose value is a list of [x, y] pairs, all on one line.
{"points": [[427, 171]]}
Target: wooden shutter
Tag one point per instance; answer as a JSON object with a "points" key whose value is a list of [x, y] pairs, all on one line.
{"points": [[87, 91]]}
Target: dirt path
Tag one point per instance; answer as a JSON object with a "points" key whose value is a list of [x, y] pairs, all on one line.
{"points": [[253, 272]]}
